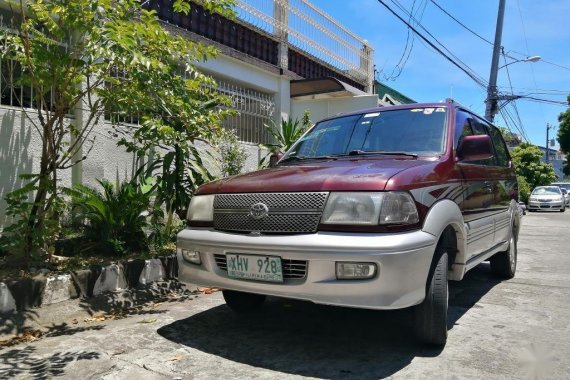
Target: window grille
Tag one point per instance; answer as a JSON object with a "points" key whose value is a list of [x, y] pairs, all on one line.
{"points": [[256, 109]]}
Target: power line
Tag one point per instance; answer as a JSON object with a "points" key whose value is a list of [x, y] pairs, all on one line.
{"points": [[460, 23], [418, 23], [527, 49], [514, 105], [440, 51], [542, 60], [405, 53]]}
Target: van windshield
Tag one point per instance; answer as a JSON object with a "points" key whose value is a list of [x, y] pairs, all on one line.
{"points": [[414, 131]]}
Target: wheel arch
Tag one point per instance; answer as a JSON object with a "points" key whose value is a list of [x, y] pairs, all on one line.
{"points": [[445, 221]]}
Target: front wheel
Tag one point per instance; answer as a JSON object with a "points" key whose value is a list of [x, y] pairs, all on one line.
{"points": [[241, 302], [504, 264], [563, 209], [431, 314]]}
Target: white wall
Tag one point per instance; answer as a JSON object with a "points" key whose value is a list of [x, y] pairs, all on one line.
{"points": [[251, 76], [322, 108], [20, 153]]}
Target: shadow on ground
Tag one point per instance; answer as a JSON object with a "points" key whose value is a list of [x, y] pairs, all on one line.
{"points": [[302, 338], [129, 299], [22, 361]]}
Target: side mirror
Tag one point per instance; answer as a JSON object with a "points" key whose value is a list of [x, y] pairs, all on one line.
{"points": [[475, 148], [274, 158]]}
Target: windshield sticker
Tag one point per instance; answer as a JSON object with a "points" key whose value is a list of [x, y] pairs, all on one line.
{"points": [[440, 109], [371, 114], [416, 109], [428, 111]]}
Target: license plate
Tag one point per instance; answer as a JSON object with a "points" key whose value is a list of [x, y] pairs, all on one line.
{"points": [[254, 267]]}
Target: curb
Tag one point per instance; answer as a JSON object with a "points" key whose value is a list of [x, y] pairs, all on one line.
{"points": [[26, 293]]}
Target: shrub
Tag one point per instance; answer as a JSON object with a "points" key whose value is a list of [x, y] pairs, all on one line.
{"points": [[114, 220]]}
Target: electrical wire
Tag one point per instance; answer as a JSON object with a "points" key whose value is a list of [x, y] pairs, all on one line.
{"points": [[460, 23], [407, 51], [418, 23], [514, 104], [466, 69]]}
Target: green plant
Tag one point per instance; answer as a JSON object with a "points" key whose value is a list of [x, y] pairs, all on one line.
{"points": [[232, 154], [17, 235], [527, 159], [285, 135], [524, 189], [564, 136], [114, 219], [102, 57]]}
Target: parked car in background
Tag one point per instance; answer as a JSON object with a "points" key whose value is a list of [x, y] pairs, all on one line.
{"points": [[566, 196], [564, 186], [547, 198]]}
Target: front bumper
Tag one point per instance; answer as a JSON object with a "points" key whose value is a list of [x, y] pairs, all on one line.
{"points": [[536, 205], [403, 261]]}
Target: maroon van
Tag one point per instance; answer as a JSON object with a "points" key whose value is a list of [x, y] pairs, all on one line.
{"points": [[375, 209]]}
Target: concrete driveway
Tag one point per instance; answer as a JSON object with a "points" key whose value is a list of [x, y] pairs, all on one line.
{"points": [[517, 329]]}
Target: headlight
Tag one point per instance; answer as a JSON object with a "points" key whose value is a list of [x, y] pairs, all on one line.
{"points": [[370, 208], [534, 199], [201, 208]]}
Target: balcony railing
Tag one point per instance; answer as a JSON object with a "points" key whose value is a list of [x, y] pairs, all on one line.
{"points": [[307, 28]]}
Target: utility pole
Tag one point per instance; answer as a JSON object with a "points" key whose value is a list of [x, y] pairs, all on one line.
{"points": [[548, 126], [492, 101]]}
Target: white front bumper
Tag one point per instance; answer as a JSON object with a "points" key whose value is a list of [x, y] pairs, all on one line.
{"points": [[403, 261]]}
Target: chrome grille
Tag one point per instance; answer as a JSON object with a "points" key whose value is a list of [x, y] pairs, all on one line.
{"points": [[315, 201], [292, 269], [287, 212], [275, 223]]}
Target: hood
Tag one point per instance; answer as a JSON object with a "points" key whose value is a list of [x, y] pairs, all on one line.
{"points": [[323, 175]]}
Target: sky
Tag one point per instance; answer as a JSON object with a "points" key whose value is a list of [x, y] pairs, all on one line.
{"points": [[530, 28]]}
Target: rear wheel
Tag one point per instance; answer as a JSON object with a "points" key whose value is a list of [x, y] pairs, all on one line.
{"points": [[504, 264], [431, 314], [241, 302]]}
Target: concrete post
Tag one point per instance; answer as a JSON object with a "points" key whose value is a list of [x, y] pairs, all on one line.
{"points": [[491, 102], [367, 67], [281, 16]]}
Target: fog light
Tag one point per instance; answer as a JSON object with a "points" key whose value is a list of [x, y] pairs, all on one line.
{"points": [[355, 271], [191, 256]]}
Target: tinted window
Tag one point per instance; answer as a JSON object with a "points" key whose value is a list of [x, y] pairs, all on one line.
{"points": [[501, 152], [466, 125], [415, 131], [462, 126]]}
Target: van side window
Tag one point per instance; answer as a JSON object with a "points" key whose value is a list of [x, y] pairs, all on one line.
{"points": [[501, 151], [467, 124], [462, 127]]}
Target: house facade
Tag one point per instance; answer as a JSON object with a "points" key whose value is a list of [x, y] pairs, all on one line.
{"points": [[278, 59], [556, 158]]}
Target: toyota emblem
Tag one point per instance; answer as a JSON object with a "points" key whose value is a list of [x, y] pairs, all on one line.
{"points": [[258, 211]]}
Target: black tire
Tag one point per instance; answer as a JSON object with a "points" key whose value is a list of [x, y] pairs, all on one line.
{"points": [[564, 209], [504, 264], [241, 302], [431, 314]]}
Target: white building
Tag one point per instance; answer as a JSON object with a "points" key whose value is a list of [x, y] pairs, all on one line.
{"points": [[278, 58]]}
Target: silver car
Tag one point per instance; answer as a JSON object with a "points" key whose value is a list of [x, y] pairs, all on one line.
{"points": [[548, 198], [565, 186]]}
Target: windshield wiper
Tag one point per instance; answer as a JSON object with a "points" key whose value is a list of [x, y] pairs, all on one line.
{"points": [[359, 152], [303, 158]]}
